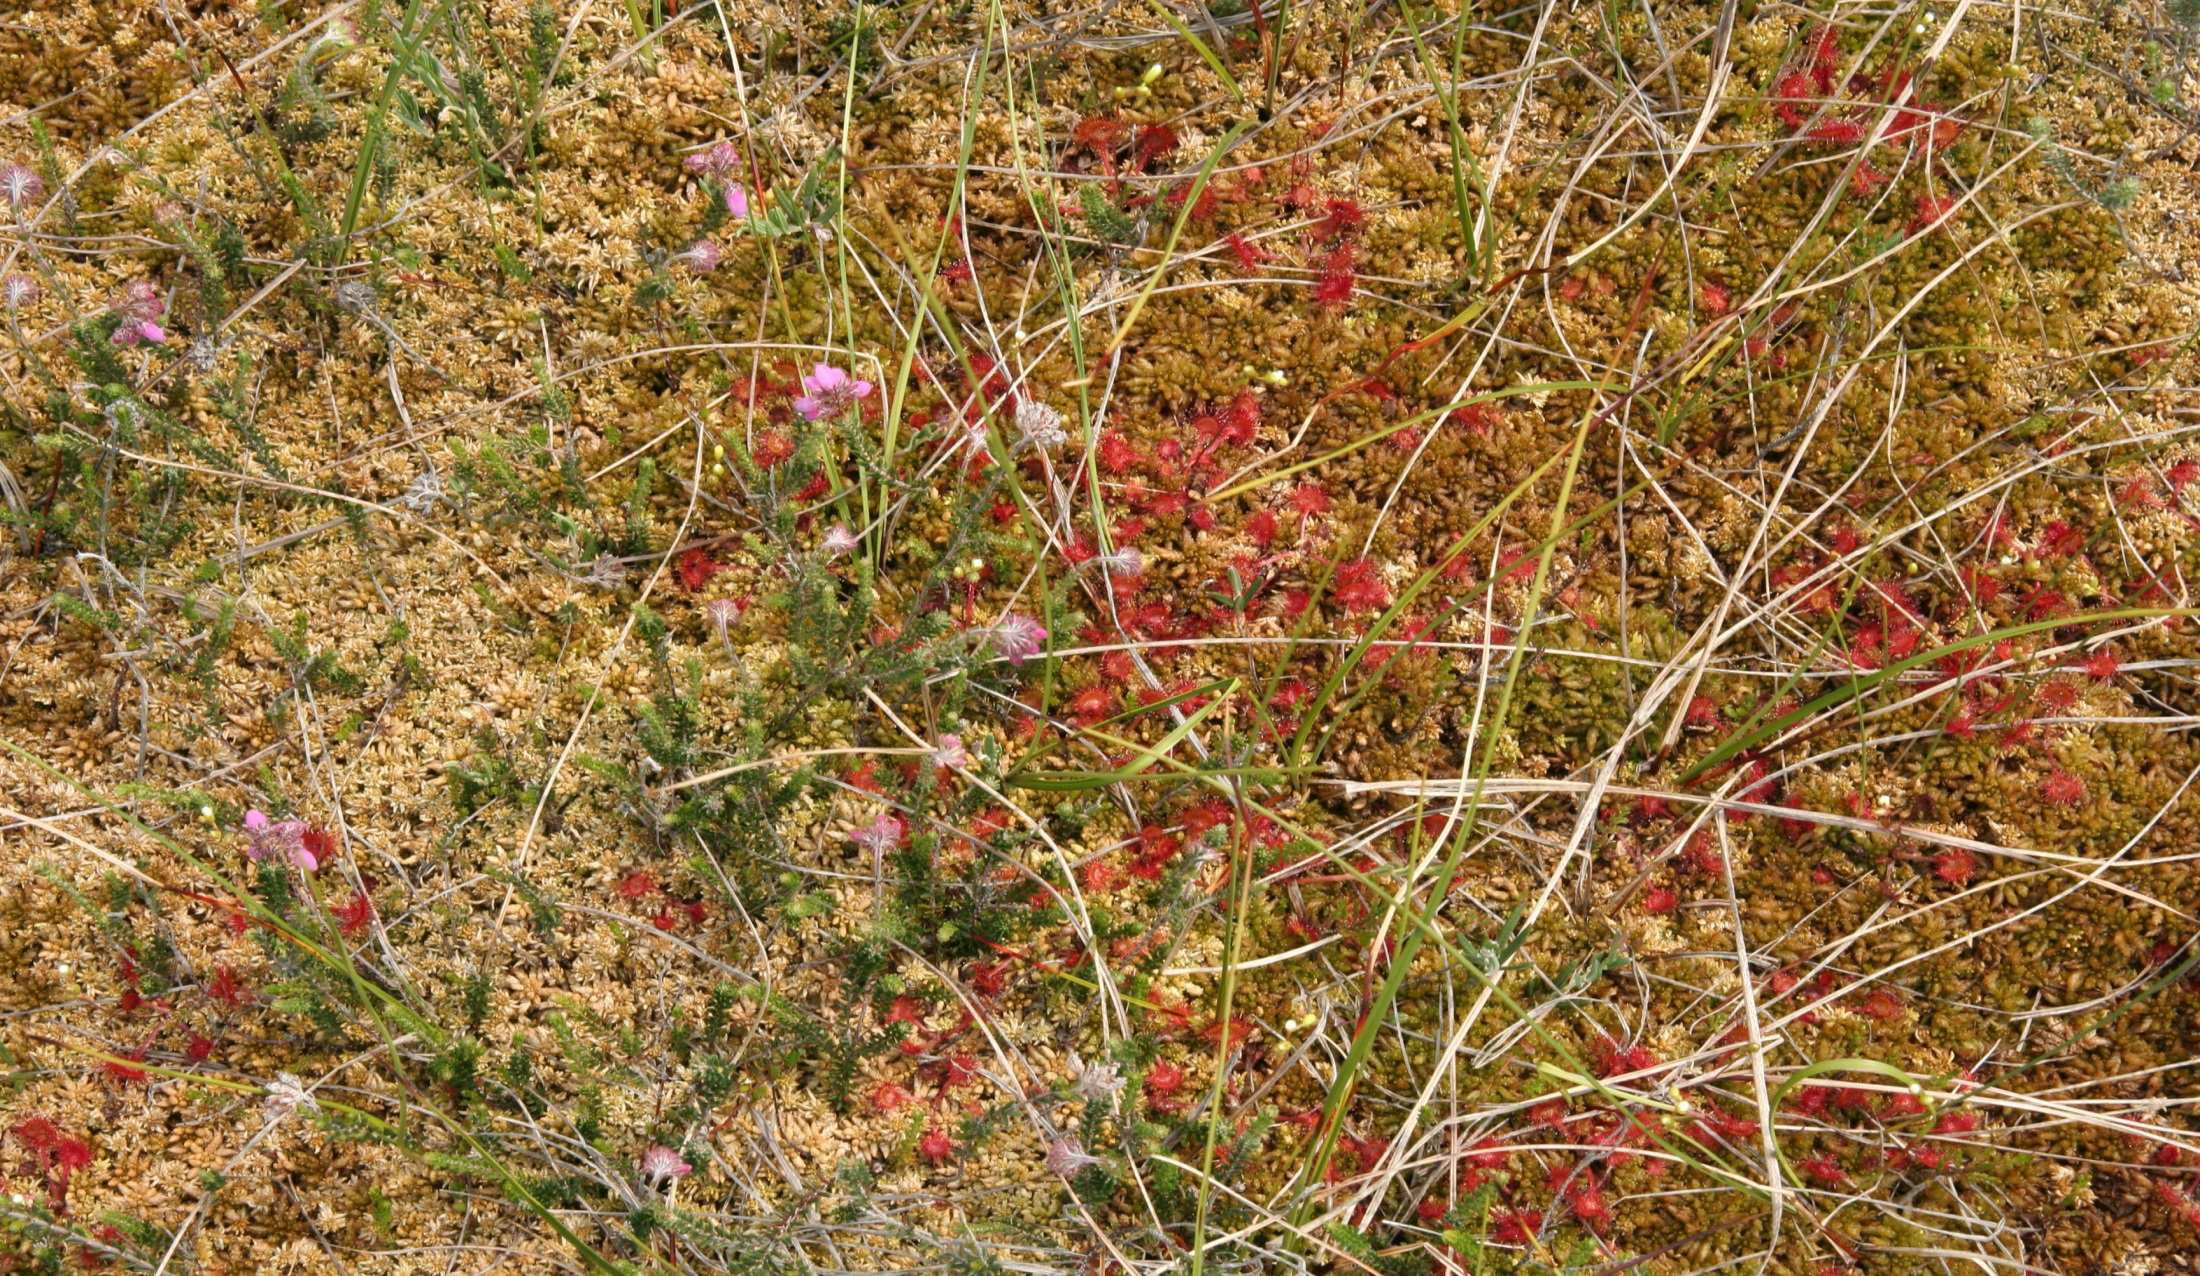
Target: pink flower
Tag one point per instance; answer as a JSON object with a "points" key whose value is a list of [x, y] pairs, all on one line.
{"points": [[827, 392], [141, 300], [1018, 638], [281, 840], [948, 753], [724, 614], [140, 307], [20, 185], [717, 158], [839, 540], [880, 835], [660, 1163], [737, 201]]}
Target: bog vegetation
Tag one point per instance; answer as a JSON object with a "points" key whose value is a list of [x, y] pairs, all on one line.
{"points": [[984, 636]]}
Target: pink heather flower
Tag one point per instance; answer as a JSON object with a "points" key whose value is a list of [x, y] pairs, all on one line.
{"points": [[139, 332], [141, 300], [828, 391], [1018, 638], [660, 1163], [1065, 1156], [716, 159], [19, 291], [20, 186], [839, 540], [948, 753], [737, 201], [141, 308], [281, 840], [880, 835], [702, 257]]}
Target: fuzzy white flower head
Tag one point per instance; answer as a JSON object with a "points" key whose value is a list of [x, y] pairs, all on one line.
{"points": [[336, 37], [425, 492], [702, 256], [1097, 1080], [1123, 562], [606, 572], [1066, 1156], [20, 186], [285, 1095], [724, 614], [839, 540], [356, 296], [1040, 425]]}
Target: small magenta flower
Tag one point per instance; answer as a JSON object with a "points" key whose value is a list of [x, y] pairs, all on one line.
{"points": [[948, 753], [839, 540], [1066, 1156], [717, 159], [20, 186], [829, 391], [281, 840], [702, 256], [660, 1163], [141, 300], [880, 835], [1018, 638], [141, 308], [737, 200]]}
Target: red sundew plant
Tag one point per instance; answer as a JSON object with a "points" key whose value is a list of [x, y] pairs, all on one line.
{"points": [[2061, 788], [56, 1157], [1955, 866], [1359, 587]]}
